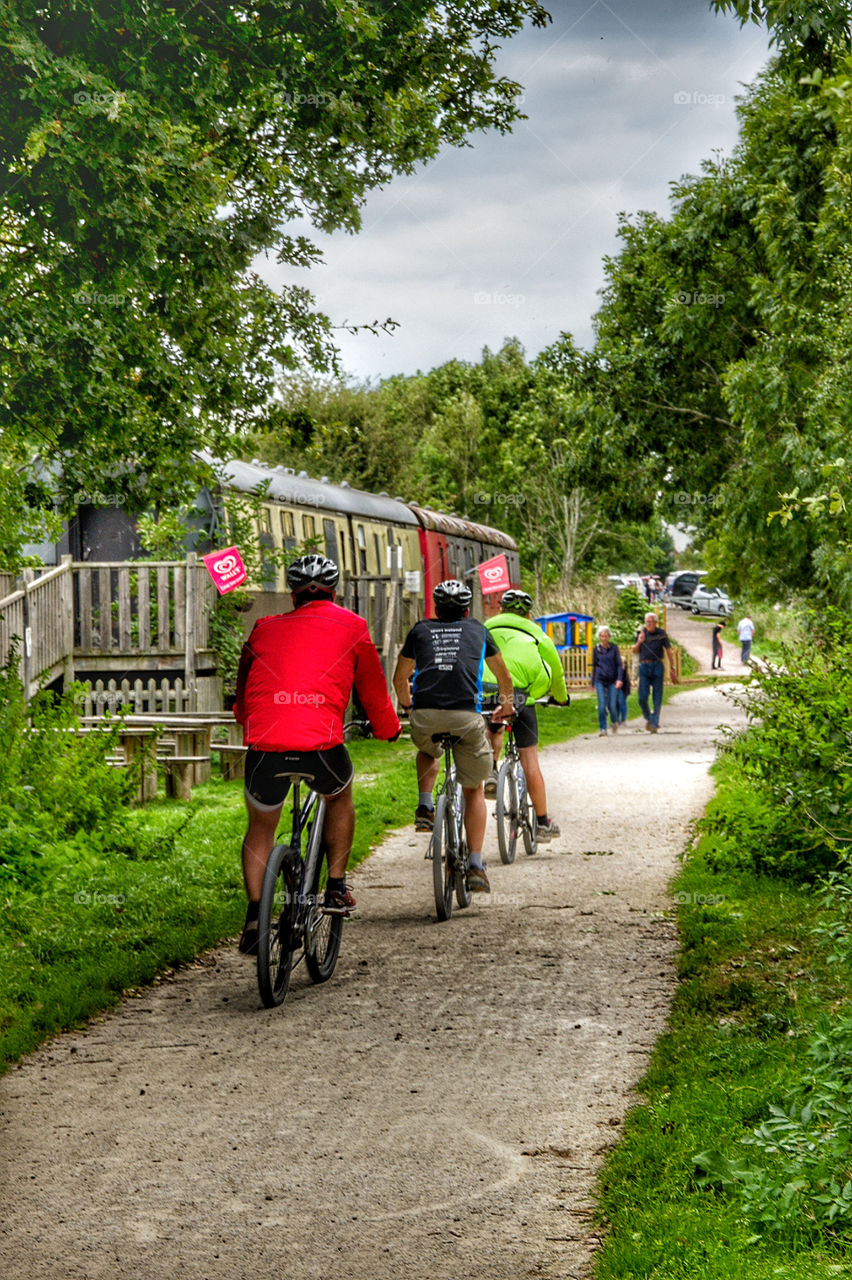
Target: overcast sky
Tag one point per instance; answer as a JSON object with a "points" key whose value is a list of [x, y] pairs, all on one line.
{"points": [[508, 237]]}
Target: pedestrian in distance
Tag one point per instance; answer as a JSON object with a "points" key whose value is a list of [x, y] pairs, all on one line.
{"points": [[717, 645], [606, 679], [624, 690], [651, 643], [745, 631]]}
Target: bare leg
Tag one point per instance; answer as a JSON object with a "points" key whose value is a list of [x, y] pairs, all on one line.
{"points": [[533, 775], [257, 847], [339, 830], [427, 771], [475, 817]]}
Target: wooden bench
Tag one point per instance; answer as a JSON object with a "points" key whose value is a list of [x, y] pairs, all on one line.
{"points": [[180, 774], [232, 759]]}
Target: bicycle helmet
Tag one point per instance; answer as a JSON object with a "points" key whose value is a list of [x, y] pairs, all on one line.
{"points": [[452, 593], [516, 601], [312, 572]]}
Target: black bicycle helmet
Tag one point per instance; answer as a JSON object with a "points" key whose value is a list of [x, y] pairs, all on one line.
{"points": [[452, 592], [313, 571], [516, 601]]}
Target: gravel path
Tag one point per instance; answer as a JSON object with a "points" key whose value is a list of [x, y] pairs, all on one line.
{"points": [[438, 1111]]}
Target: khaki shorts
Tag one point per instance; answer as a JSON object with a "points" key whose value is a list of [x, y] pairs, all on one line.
{"points": [[472, 755]]}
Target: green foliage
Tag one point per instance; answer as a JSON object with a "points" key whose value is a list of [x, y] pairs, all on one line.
{"points": [[140, 189], [58, 797], [789, 813]]}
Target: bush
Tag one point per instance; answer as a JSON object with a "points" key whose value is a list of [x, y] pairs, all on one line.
{"points": [[789, 816], [58, 795]]}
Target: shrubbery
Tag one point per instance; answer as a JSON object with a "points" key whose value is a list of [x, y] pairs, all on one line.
{"points": [[59, 798], [789, 814]]}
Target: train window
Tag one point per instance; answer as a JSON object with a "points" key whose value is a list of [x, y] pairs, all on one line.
{"points": [[330, 534], [309, 526], [379, 566], [362, 548], [288, 525]]}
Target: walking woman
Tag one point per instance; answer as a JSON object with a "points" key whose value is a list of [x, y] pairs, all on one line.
{"points": [[717, 645], [606, 679]]}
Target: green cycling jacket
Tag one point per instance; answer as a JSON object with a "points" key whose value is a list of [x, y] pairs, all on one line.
{"points": [[530, 655]]}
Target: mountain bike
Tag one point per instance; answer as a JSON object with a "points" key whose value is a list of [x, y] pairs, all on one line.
{"points": [[292, 925], [515, 810], [447, 844]]}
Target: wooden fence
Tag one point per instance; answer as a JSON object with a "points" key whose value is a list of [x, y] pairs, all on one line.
{"points": [[109, 618]]}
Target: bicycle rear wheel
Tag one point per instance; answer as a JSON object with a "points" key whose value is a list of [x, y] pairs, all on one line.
{"points": [[442, 873], [507, 811], [277, 916], [529, 821], [322, 932]]}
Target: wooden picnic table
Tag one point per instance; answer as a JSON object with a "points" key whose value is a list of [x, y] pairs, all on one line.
{"points": [[192, 732]]}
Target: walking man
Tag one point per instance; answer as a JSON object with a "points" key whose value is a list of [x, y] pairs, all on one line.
{"points": [[745, 631], [651, 643]]}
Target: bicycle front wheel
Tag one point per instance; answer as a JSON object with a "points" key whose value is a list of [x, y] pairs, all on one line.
{"points": [[441, 844], [276, 919], [322, 932], [507, 812]]}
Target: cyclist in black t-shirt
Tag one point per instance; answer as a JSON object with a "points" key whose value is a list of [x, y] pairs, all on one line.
{"points": [[438, 678]]}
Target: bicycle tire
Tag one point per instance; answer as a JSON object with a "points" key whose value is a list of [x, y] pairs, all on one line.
{"points": [[507, 812], [528, 819], [322, 932], [276, 917], [442, 876]]}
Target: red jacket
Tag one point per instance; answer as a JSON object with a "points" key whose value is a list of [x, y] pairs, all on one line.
{"points": [[296, 675]]}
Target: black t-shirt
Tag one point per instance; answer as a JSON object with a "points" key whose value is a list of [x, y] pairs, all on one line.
{"points": [[449, 658], [653, 646]]}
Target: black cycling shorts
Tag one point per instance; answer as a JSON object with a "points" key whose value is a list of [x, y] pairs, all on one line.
{"points": [[267, 783], [526, 725]]}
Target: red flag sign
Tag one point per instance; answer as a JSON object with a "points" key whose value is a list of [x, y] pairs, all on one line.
{"points": [[494, 576], [226, 568]]}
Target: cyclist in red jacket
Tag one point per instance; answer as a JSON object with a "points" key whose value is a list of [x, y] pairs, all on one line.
{"points": [[295, 680]]}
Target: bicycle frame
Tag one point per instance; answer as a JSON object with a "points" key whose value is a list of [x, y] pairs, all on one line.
{"points": [[447, 846]]}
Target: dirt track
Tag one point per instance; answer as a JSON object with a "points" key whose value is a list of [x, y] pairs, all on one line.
{"points": [[439, 1110]]}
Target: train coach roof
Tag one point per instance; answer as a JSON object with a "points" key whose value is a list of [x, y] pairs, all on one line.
{"points": [[284, 486], [457, 526]]}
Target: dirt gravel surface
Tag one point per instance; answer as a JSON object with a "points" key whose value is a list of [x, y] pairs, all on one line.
{"points": [[438, 1111], [696, 636]]}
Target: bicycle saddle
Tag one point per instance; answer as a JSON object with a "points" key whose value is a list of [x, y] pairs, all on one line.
{"points": [[446, 739]]}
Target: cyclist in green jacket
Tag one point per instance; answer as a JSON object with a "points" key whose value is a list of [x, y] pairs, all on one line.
{"points": [[536, 670]]}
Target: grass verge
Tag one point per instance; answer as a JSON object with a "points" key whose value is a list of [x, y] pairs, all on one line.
{"points": [[84, 931], [754, 980]]}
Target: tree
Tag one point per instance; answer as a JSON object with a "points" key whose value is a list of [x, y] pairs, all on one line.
{"points": [[148, 155]]}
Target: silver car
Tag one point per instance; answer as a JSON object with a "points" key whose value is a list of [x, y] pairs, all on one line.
{"points": [[711, 600]]}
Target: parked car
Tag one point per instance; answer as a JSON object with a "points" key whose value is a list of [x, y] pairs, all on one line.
{"points": [[711, 600], [680, 586]]}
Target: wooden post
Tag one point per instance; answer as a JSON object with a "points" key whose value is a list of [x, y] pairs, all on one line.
{"points": [[190, 630], [27, 637], [66, 590]]}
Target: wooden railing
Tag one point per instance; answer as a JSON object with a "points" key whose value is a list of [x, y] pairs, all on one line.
{"points": [[39, 614]]}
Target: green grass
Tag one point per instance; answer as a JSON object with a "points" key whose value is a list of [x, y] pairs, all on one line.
{"points": [[753, 981], [86, 929]]}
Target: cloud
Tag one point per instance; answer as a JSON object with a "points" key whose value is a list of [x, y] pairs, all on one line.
{"points": [[507, 237]]}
